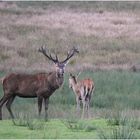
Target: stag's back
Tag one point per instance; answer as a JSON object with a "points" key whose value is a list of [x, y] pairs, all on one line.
{"points": [[27, 85], [23, 84]]}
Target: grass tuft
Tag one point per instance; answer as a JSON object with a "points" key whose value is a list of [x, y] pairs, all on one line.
{"points": [[121, 132]]}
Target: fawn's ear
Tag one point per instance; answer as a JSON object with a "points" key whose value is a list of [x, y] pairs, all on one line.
{"points": [[78, 74]]}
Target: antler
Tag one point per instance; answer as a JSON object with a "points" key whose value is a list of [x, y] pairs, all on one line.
{"points": [[44, 50], [70, 54]]}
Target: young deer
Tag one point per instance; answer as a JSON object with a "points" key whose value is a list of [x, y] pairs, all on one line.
{"points": [[83, 91], [40, 85]]}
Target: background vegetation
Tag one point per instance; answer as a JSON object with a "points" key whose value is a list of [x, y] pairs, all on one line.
{"points": [[106, 33], [108, 37]]}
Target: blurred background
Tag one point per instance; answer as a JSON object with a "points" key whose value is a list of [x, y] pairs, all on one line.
{"points": [[107, 35]]}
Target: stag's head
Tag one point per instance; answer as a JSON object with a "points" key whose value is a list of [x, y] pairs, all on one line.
{"points": [[60, 65]]}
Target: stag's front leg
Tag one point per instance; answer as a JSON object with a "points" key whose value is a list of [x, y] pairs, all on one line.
{"points": [[8, 105], [2, 101], [40, 99], [46, 102]]}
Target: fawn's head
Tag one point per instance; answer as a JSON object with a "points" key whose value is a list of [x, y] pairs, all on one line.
{"points": [[73, 79], [59, 65]]}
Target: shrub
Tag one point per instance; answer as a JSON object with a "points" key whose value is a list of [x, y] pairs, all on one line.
{"points": [[117, 118], [121, 132]]}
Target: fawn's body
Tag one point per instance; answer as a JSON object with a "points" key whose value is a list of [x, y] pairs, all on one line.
{"points": [[83, 90]]}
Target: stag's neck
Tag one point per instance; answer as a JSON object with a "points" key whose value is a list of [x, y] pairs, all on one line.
{"points": [[55, 80]]}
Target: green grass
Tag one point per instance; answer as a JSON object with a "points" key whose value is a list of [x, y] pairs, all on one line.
{"points": [[120, 132], [112, 88], [113, 91], [53, 129]]}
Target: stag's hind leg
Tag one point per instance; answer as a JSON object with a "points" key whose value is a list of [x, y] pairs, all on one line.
{"points": [[8, 105], [2, 101]]}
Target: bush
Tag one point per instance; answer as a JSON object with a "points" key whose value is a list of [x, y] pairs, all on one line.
{"points": [[121, 132], [117, 118]]}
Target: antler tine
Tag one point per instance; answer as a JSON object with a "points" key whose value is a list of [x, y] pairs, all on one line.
{"points": [[76, 49], [42, 50], [56, 57], [49, 56], [70, 54]]}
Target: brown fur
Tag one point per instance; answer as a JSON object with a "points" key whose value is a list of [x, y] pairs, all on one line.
{"points": [[40, 85], [83, 90], [24, 85]]}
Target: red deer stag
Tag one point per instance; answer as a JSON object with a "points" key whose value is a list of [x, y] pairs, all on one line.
{"points": [[41, 85], [83, 91]]}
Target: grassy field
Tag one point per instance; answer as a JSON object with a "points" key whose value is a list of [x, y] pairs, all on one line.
{"points": [[50, 129], [107, 35], [114, 110], [110, 29], [114, 91], [59, 129]]}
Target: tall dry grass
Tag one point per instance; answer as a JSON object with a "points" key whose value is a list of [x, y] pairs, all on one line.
{"points": [[107, 34]]}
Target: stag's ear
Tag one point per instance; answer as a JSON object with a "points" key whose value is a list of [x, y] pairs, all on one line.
{"points": [[56, 63]]}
